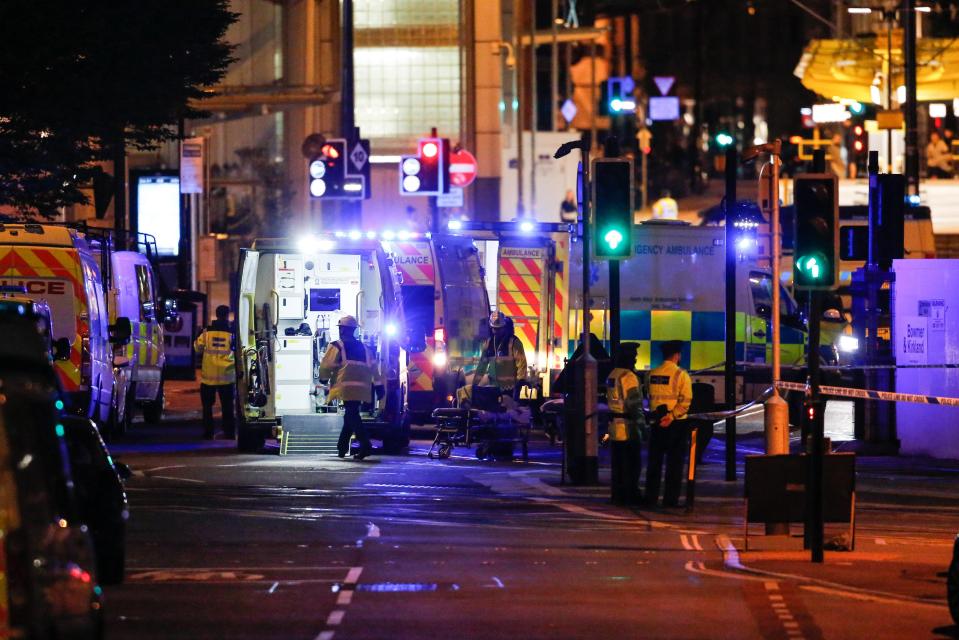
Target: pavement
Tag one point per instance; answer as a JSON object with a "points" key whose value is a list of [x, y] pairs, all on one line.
{"points": [[228, 545]]}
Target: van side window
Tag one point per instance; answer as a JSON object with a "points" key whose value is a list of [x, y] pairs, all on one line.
{"points": [[762, 289], [144, 293]]}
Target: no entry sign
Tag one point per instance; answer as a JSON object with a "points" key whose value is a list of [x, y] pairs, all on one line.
{"points": [[462, 168]]}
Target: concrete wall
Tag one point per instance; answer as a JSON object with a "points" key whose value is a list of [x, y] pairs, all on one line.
{"points": [[926, 331]]}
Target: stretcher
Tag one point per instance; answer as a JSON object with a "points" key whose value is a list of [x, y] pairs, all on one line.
{"points": [[492, 421]]}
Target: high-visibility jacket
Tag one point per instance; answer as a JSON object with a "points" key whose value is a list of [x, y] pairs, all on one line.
{"points": [[625, 400], [670, 385], [349, 368], [665, 209], [505, 366], [216, 345]]}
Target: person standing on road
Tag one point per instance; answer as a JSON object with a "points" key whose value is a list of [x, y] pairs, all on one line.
{"points": [[670, 394], [938, 158], [503, 358], [348, 368], [625, 400], [218, 372]]}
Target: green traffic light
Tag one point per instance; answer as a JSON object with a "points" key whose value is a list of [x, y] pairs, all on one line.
{"points": [[613, 238], [813, 267]]}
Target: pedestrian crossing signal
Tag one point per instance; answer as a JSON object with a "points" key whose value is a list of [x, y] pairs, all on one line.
{"points": [[816, 252], [612, 208]]}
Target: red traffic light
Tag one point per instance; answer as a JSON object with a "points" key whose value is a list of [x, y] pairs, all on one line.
{"points": [[857, 130], [812, 413], [329, 151], [429, 150]]}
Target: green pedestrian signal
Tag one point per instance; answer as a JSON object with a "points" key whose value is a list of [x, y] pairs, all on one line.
{"points": [[816, 249], [612, 208]]}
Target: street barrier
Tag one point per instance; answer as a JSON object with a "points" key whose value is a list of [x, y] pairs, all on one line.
{"points": [[775, 490], [870, 394]]}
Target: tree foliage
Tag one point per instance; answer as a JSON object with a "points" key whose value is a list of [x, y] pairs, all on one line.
{"points": [[79, 78]]}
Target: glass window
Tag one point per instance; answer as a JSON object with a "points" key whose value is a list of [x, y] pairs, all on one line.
{"points": [[761, 286], [144, 292], [418, 311]]}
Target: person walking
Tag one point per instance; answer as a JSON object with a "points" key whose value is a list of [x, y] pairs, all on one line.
{"points": [[670, 394], [348, 368], [218, 372], [625, 400]]}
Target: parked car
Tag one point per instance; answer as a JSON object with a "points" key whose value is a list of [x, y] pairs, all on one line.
{"points": [[101, 499], [48, 579]]}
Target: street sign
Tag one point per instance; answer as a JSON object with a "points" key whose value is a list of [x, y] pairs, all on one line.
{"points": [[664, 108], [358, 157], [191, 165], [568, 110], [359, 167], [891, 119], [664, 83], [450, 200], [463, 168]]}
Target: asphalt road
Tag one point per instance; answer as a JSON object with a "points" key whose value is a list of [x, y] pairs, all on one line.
{"points": [[223, 545]]}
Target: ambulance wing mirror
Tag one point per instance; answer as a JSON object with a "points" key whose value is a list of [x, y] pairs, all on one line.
{"points": [[61, 349], [121, 331]]}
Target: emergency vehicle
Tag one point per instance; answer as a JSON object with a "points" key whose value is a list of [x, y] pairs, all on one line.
{"points": [[55, 264], [673, 288], [446, 312], [133, 278], [291, 295]]}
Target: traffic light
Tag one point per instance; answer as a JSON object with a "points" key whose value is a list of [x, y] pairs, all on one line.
{"points": [[723, 139], [619, 92], [887, 193], [612, 191], [816, 236], [859, 142], [426, 173], [327, 171]]}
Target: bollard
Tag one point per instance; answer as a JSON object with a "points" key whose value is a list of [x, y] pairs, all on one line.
{"points": [[776, 428]]}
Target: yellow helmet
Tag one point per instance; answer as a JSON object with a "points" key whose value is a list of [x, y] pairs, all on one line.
{"points": [[348, 321]]}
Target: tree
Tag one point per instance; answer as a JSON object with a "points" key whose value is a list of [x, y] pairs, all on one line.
{"points": [[79, 81]]}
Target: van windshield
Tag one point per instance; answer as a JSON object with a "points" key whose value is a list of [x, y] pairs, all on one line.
{"points": [[58, 293]]}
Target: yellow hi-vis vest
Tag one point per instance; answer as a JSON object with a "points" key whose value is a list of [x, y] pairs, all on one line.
{"points": [[503, 370], [351, 380], [218, 366], [625, 404], [670, 385]]}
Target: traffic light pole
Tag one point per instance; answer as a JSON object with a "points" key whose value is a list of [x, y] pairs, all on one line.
{"points": [[814, 496], [350, 210], [729, 378]]}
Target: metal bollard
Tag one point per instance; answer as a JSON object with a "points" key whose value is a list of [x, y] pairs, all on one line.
{"points": [[776, 429]]}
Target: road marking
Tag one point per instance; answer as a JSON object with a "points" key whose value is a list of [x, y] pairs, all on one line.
{"points": [[273, 588], [499, 583], [353, 575], [696, 544], [325, 635], [871, 597], [345, 597], [730, 554], [171, 466], [685, 540], [335, 617], [880, 541], [175, 479], [699, 568], [372, 531]]}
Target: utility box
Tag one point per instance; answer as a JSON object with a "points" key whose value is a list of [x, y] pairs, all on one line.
{"points": [[925, 332]]}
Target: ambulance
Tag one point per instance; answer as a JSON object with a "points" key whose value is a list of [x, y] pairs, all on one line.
{"points": [[673, 288], [55, 264], [446, 314], [290, 297]]}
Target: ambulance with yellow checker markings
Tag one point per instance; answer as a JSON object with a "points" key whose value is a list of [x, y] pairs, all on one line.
{"points": [[55, 264], [445, 310], [673, 288]]}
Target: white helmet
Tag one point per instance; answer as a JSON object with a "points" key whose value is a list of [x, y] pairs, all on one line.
{"points": [[832, 314], [348, 321]]}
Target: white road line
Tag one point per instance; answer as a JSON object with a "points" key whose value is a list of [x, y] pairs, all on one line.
{"points": [[772, 586], [372, 531], [171, 466], [273, 588], [868, 597], [325, 635], [730, 555], [699, 568], [345, 597], [175, 479], [499, 583], [335, 617], [880, 541], [685, 540], [696, 544], [353, 575]]}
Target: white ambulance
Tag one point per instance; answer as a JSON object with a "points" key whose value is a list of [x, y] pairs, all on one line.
{"points": [[291, 294]]}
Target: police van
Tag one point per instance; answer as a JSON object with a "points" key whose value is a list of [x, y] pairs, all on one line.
{"points": [[673, 288], [55, 264], [446, 312], [290, 296]]}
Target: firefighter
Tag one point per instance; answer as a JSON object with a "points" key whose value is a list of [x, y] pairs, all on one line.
{"points": [[625, 400], [670, 394], [349, 369], [218, 372], [503, 358]]}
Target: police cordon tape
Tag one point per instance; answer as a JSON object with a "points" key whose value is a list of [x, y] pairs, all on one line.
{"points": [[843, 367], [870, 394]]}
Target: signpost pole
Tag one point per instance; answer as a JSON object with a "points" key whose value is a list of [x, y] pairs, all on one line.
{"points": [[730, 370]]}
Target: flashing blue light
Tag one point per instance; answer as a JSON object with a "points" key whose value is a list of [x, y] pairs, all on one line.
{"points": [[526, 226], [454, 225], [59, 405], [744, 243], [59, 430], [390, 329], [913, 200]]}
